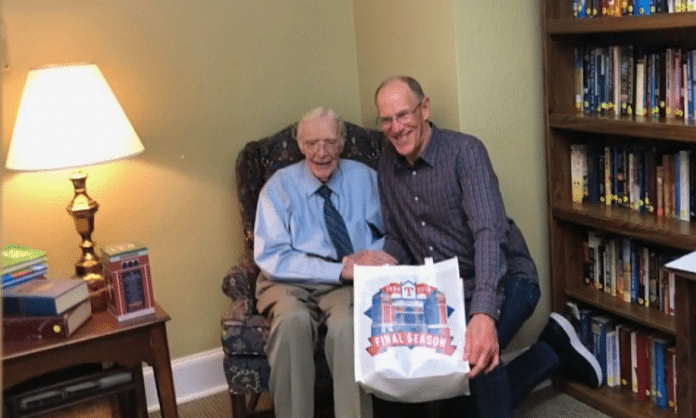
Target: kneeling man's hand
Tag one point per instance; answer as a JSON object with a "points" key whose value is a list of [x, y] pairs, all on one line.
{"points": [[482, 350], [364, 258]]}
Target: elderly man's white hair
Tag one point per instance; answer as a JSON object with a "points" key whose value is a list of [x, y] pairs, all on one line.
{"points": [[321, 112]]}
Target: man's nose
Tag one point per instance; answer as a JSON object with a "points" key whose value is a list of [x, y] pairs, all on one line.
{"points": [[323, 149], [396, 126]]}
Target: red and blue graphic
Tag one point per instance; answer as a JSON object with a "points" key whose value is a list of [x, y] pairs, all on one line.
{"points": [[412, 315]]}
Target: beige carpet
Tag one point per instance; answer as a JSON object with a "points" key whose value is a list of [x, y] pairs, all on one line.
{"points": [[544, 403]]}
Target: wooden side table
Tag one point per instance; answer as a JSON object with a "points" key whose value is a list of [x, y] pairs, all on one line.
{"points": [[101, 339]]}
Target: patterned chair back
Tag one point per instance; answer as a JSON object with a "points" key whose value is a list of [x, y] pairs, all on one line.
{"points": [[258, 160]]}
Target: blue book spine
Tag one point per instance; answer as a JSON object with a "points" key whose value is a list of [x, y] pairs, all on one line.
{"points": [[11, 279], [641, 7], [585, 327], [601, 81], [661, 395], [580, 10], [600, 325], [597, 349], [587, 80], [592, 92], [28, 306], [654, 110], [635, 276], [21, 279], [637, 272]]}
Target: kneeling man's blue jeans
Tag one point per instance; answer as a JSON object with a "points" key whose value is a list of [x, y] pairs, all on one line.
{"points": [[495, 394], [498, 392]]}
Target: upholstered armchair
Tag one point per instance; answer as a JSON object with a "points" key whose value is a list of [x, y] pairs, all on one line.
{"points": [[244, 330]]}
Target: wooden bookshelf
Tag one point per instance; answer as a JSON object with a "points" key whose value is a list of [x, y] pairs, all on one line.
{"points": [[569, 222], [613, 401]]}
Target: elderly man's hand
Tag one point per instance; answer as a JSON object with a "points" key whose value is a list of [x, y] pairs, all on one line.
{"points": [[482, 350], [364, 258]]}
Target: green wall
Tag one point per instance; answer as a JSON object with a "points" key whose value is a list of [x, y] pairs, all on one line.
{"points": [[199, 79], [498, 47], [408, 37]]}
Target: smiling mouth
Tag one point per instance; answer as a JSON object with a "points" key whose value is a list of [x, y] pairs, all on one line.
{"points": [[399, 137]]}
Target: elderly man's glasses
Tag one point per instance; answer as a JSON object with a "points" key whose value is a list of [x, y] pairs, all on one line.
{"points": [[331, 145], [401, 117]]}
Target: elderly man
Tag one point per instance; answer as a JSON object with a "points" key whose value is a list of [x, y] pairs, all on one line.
{"points": [[441, 199], [316, 219]]}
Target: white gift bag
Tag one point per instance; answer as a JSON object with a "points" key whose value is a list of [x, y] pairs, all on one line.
{"points": [[409, 331]]}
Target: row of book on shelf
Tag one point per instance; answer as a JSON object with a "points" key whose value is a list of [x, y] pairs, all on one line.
{"points": [[35, 306], [629, 270], [617, 8], [659, 179], [632, 357], [627, 80]]}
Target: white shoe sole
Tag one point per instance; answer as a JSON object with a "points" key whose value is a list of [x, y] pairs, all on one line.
{"points": [[577, 344]]}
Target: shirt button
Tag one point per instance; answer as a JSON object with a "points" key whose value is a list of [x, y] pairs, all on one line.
{"points": [[415, 198], [413, 173], [422, 223], [430, 248]]}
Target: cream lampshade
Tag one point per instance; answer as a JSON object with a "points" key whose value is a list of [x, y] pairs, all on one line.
{"points": [[69, 117]]}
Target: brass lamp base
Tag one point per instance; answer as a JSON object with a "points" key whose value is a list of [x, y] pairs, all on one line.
{"points": [[82, 208]]}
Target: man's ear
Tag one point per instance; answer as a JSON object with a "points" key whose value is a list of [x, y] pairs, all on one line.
{"points": [[425, 108]]}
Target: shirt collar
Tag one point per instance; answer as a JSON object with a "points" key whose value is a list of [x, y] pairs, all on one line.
{"points": [[428, 154], [310, 184]]}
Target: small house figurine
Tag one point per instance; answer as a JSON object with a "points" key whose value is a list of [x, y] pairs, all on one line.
{"points": [[127, 271]]}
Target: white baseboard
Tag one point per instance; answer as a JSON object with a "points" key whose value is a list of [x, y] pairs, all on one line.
{"points": [[195, 376], [199, 375]]}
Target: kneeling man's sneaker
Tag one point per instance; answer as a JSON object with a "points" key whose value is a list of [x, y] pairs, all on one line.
{"points": [[576, 361]]}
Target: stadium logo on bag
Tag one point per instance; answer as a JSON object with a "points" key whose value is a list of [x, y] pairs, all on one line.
{"points": [[410, 315]]}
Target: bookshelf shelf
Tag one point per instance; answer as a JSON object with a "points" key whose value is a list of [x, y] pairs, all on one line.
{"points": [[672, 130], [661, 22], [618, 403], [635, 313], [649, 228], [570, 222]]}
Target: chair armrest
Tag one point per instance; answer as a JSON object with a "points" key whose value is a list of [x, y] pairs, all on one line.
{"points": [[240, 282]]}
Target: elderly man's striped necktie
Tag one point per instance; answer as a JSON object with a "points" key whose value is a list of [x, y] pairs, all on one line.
{"points": [[335, 225]]}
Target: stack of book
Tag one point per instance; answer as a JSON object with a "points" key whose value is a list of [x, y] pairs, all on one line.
{"points": [[632, 357], [45, 308], [21, 263]]}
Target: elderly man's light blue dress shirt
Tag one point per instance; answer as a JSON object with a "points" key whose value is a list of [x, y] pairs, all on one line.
{"points": [[291, 242]]}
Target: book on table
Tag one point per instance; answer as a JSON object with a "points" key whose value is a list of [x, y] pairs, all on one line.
{"points": [[23, 275], [16, 257], [18, 327], [44, 296]]}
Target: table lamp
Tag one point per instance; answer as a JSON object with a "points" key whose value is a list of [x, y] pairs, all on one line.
{"points": [[69, 117]]}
